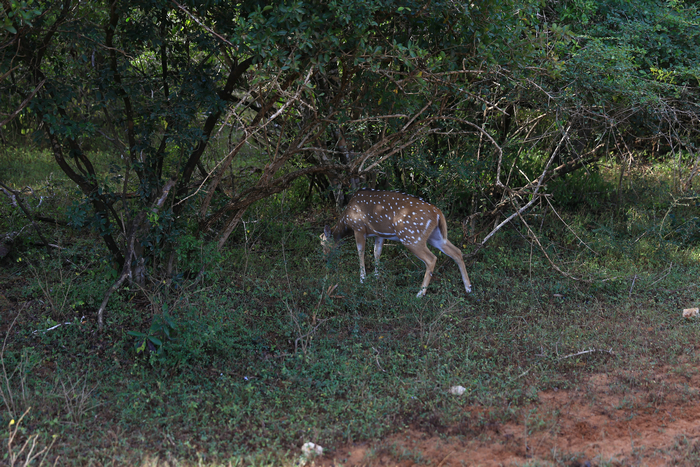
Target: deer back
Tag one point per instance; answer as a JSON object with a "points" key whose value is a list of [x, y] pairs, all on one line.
{"points": [[391, 215]]}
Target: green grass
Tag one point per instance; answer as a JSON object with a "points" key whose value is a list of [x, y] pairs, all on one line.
{"points": [[260, 359], [22, 167]]}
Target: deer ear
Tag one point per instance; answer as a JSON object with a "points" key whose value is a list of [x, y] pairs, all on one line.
{"points": [[327, 232]]}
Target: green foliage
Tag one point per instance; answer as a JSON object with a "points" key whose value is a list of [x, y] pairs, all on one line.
{"points": [[19, 14], [162, 69], [638, 52], [589, 190], [161, 332], [277, 347], [258, 344], [319, 91]]}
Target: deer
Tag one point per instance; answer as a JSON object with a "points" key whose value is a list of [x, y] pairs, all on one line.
{"points": [[390, 215]]}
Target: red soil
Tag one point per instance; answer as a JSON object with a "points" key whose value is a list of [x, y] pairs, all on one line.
{"points": [[648, 418]]}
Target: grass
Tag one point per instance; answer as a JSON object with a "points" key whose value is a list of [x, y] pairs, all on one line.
{"points": [[28, 167], [274, 346]]}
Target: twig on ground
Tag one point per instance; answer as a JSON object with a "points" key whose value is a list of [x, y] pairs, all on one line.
{"points": [[591, 350], [67, 323], [442, 462], [376, 357]]}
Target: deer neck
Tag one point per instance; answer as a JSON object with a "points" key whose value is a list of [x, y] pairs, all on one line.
{"points": [[341, 231]]}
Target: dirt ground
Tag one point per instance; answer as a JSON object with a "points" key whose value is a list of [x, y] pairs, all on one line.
{"points": [[640, 418]]}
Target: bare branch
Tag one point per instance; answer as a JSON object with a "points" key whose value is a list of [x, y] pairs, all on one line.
{"points": [[569, 227], [523, 190], [28, 214], [24, 104], [207, 28]]}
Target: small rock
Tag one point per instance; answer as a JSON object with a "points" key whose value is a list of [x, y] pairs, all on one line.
{"points": [[458, 390], [691, 312], [310, 448]]}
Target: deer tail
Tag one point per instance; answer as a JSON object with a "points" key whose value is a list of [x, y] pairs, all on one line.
{"points": [[442, 225]]}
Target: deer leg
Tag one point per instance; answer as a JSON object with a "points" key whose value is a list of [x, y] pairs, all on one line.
{"points": [[360, 240], [378, 243], [444, 245], [425, 255], [456, 254]]}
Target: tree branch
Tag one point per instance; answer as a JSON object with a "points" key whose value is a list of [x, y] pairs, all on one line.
{"points": [[24, 104], [25, 210]]}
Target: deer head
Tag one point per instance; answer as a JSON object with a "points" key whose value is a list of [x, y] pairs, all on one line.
{"points": [[389, 215]]}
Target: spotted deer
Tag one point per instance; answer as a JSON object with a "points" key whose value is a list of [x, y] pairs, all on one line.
{"points": [[389, 215]]}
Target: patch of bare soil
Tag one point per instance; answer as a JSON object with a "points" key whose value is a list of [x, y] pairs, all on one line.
{"points": [[641, 418]]}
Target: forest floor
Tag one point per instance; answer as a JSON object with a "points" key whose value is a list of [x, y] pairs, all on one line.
{"points": [[277, 345], [641, 418]]}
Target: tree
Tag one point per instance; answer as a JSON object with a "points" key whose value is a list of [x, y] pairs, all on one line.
{"points": [[484, 102], [320, 88]]}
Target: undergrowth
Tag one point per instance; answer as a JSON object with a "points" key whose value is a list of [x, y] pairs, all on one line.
{"points": [[253, 351]]}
